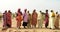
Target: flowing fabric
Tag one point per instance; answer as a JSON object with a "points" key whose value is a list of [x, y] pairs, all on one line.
{"points": [[9, 19], [19, 19], [40, 20], [34, 18], [46, 19], [51, 21], [4, 19], [25, 19], [29, 20], [56, 21]]}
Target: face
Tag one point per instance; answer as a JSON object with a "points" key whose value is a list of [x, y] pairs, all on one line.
{"points": [[51, 10], [34, 10], [46, 10], [56, 12], [25, 10], [40, 11], [28, 11]]}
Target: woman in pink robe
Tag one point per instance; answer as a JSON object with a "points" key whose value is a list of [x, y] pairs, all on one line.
{"points": [[25, 18]]}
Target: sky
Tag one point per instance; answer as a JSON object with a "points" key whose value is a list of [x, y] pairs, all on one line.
{"points": [[30, 5]]}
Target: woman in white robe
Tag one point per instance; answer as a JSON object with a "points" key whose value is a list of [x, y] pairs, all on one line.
{"points": [[40, 20], [51, 20]]}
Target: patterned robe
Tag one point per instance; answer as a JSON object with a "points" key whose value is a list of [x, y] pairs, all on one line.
{"points": [[9, 19], [4, 19], [34, 18], [19, 19]]}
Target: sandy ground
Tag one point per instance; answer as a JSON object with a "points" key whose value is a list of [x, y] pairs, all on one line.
{"points": [[29, 30], [14, 29]]}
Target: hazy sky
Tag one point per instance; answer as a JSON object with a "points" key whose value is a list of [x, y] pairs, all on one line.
{"points": [[42, 5]]}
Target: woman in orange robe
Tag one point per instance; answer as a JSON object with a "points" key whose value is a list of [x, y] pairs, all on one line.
{"points": [[19, 18]]}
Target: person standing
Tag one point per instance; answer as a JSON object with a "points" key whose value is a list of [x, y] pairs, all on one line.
{"points": [[51, 20], [40, 20], [29, 20], [56, 24], [25, 18], [9, 19], [34, 18], [46, 18], [5, 19], [19, 18]]}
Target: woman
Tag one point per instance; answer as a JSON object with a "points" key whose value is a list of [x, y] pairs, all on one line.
{"points": [[34, 18], [51, 20], [46, 18], [29, 20], [40, 20], [57, 20], [25, 18], [19, 18], [9, 19], [4, 20]]}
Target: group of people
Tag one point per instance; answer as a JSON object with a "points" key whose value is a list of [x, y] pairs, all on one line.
{"points": [[31, 20], [7, 19]]}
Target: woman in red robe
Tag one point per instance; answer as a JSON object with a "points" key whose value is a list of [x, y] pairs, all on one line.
{"points": [[4, 19], [9, 19], [34, 18], [46, 18]]}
